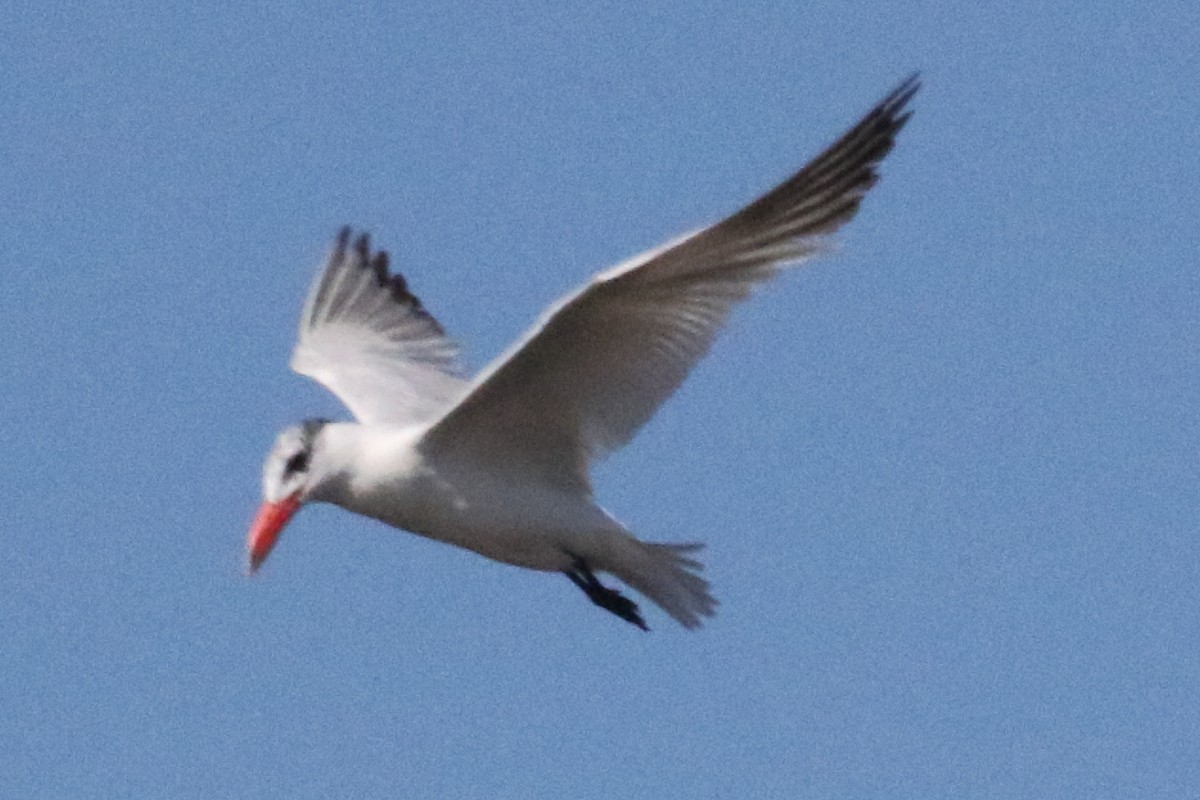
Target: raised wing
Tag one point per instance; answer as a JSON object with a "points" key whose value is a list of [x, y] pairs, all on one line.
{"points": [[598, 364], [367, 339]]}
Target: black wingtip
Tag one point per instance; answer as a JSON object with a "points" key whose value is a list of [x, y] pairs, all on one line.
{"points": [[362, 247], [340, 242], [893, 105], [877, 130], [380, 266]]}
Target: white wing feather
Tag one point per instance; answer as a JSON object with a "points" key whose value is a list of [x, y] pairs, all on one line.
{"points": [[598, 364], [367, 339]]}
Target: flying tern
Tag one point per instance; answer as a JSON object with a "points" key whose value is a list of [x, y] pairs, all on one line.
{"points": [[499, 464]]}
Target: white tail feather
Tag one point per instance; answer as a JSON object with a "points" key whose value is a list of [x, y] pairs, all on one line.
{"points": [[666, 574]]}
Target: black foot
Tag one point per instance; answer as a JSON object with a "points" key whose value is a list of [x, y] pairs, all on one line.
{"points": [[608, 599]]}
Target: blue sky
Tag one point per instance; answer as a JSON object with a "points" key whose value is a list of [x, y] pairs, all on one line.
{"points": [[947, 477]]}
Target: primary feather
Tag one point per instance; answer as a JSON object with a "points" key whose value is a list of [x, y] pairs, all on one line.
{"points": [[367, 338], [598, 364]]}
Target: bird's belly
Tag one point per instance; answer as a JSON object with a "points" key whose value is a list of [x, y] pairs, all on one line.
{"points": [[528, 527]]}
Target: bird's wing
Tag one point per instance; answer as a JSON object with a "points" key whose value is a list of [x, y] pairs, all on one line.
{"points": [[367, 339], [599, 363]]}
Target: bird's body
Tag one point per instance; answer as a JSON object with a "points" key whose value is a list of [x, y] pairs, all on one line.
{"points": [[500, 464], [496, 512], [382, 472]]}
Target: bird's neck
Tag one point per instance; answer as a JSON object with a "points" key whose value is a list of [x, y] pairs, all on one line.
{"points": [[355, 458]]}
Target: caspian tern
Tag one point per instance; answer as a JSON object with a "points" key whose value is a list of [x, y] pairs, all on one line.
{"points": [[500, 464]]}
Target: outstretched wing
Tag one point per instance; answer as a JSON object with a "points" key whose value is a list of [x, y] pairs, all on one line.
{"points": [[599, 363], [367, 339]]}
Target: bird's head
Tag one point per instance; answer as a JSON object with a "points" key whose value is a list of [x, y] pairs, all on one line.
{"points": [[288, 482]]}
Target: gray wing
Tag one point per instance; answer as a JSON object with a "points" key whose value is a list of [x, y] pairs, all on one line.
{"points": [[598, 364], [366, 338]]}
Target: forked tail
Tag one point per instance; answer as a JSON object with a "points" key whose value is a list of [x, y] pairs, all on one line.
{"points": [[667, 574]]}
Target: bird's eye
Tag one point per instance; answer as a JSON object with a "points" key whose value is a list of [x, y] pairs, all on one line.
{"points": [[297, 463]]}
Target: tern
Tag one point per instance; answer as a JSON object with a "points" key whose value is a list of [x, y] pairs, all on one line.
{"points": [[499, 464]]}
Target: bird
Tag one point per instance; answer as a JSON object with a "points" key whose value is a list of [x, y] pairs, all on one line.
{"points": [[499, 463]]}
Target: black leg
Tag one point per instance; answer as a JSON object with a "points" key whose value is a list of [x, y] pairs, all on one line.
{"points": [[609, 599]]}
